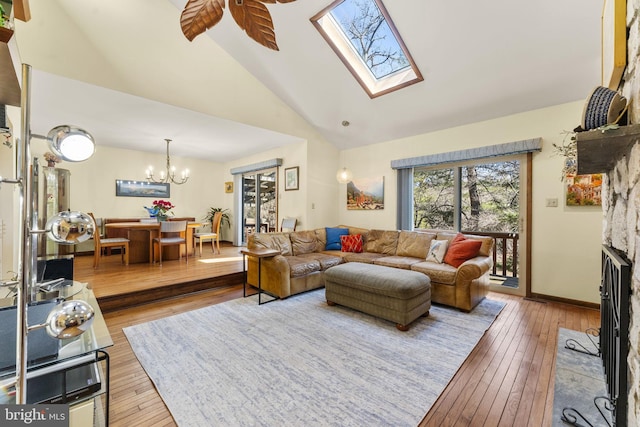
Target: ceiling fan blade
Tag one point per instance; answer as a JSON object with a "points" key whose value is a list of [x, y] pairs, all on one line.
{"points": [[254, 17], [200, 15]]}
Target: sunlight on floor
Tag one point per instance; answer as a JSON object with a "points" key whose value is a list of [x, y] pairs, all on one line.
{"points": [[216, 260]]}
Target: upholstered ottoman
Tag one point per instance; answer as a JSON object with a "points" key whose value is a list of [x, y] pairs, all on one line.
{"points": [[394, 294]]}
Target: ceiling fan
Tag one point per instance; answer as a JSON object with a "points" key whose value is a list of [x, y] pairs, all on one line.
{"points": [[252, 16]]}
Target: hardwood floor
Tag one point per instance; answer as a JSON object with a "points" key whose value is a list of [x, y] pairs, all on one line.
{"points": [[507, 380], [117, 285]]}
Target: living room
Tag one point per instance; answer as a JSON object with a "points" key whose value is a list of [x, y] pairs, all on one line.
{"points": [[561, 271]]}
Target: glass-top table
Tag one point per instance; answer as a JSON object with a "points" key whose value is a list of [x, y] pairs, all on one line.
{"points": [[44, 351]]}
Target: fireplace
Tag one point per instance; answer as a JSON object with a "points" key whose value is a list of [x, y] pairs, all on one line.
{"points": [[614, 330]]}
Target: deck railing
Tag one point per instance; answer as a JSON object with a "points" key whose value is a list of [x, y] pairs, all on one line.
{"points": [[505, 252]]}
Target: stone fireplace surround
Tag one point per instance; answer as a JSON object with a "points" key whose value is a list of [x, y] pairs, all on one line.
{"points": [[621, 205]]}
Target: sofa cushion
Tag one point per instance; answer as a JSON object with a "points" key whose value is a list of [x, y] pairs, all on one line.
{"points": [[403, 262], [437, 250], [333, 237], [414, 244], [487, 242], [278, 241], [326, 261], [302, 265], [486, 249], [303, 242], [365, 257], [461, 249], [439, 273], [351, 243], [382, 242], [321, 239]]}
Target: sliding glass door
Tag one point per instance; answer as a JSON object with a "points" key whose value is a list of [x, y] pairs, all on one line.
{"points": [[259, 202], [485, 198]]}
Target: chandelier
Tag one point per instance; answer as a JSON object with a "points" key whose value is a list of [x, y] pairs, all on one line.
{"points": [[169, 175]]}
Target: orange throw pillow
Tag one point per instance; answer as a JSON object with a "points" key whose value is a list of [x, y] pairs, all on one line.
{"points": [[461, 249]]}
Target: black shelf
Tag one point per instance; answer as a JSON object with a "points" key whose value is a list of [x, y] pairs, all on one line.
{"points": [[598, 151]]}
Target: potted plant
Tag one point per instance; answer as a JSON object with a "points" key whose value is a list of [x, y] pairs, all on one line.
{"points": [[225, 216]]}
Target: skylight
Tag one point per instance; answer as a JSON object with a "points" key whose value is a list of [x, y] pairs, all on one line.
{"points": [[363, 36]]}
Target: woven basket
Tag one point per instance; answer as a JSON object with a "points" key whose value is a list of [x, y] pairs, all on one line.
{"points": [[604, 106]]}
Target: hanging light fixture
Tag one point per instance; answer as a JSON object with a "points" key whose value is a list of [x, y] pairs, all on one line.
{"points": [[169, 175], [344, 175]]}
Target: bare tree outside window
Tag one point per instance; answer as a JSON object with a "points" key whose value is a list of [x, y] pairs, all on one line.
{"points": [[367, 29], [489, 203]]}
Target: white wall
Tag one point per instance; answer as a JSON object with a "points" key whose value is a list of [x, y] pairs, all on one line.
{"points": [[93, 182], [565, 240]]}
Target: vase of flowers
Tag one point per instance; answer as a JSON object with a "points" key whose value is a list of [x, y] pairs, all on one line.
{"points": [[51, 159], [160, 209]]}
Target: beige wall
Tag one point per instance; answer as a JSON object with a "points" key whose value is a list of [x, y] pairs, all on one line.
{"points": [[93, 182], [566, 240], [558, 269]]}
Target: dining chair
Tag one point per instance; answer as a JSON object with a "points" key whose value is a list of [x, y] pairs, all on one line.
{"points": [[213, 235], [288, 224], [167, 237], [113, 242]]}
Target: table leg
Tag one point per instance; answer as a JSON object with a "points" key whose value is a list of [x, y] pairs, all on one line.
{"points": [[244, 274], [244, 284]]}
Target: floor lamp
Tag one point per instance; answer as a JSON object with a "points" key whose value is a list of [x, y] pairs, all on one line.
{"points": [[69, 318]]}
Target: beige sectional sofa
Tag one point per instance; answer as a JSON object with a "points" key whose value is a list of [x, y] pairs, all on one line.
{"points": [[303, 260]]}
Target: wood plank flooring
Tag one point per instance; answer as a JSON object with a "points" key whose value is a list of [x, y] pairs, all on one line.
{"points": [[507, 380], [117, 285]]}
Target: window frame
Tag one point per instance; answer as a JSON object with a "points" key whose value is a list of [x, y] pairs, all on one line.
{"points": [[336, 39]]}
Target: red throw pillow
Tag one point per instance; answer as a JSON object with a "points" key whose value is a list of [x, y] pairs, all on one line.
{"points": [[461, 249], [351, 243]]}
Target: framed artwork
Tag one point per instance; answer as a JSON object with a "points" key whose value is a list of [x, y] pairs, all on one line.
{"points": [[584, 190], [228, 187], [365, 194], [126, 188], [291, 176], [614, 42]]}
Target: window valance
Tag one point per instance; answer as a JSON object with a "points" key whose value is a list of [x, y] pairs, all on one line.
{"points": [[507, 149], [256, 166]]}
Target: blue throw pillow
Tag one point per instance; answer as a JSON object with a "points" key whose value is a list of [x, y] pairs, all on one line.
{"points": [[333, 238]]}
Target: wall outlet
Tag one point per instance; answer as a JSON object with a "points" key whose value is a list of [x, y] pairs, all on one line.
{"points": [[552, 203]]}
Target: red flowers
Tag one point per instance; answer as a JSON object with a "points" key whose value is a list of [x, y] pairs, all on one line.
{"points": [[162, 206]]}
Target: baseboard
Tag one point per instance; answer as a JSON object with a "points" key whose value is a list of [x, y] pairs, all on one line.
{"points": [[543, 297]]}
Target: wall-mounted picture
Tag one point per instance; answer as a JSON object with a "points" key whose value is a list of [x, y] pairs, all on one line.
{"points": [[291, 176], [126, 188], [228, 187], [584, 190], [365, 194]]}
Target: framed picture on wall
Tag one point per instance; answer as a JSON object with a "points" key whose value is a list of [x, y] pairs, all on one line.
{"points": [[228, 187], [291, 176], [365, 193], [126, 188], [584, 190]]}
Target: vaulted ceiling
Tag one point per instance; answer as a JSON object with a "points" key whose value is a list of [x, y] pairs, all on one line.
{"points": [[124, 68]]}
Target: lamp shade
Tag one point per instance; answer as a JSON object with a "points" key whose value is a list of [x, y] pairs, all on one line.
{"points": [[344, 175], [71, 143]]}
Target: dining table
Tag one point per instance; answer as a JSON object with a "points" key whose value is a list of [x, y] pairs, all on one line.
{"points": [[141, 235]]}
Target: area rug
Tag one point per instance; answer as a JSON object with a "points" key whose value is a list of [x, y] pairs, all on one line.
{"points": [[579, 379], [299, 362]]}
